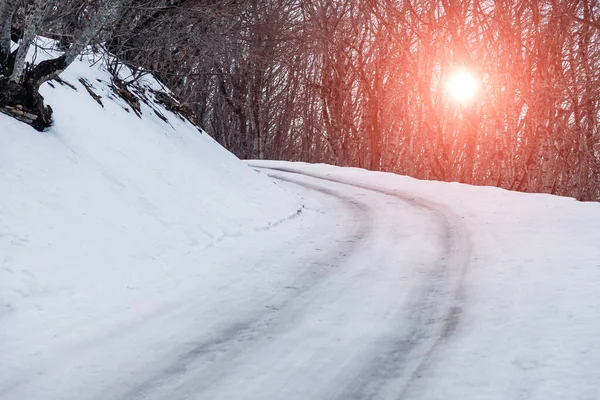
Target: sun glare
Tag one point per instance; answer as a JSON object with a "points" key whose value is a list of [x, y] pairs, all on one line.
{"points": [[462, 86]]}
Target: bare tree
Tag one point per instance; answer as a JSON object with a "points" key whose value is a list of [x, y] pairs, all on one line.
{"points": [[34, 15], [23, 83], [7, 11], [357, 82]]}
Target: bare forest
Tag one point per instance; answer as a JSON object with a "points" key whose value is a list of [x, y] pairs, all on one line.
{"points": [[353, 82]]}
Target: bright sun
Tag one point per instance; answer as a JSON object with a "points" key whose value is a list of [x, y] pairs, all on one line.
{"points": [[462, 86]]}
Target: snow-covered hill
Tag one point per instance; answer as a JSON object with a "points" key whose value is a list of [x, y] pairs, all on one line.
{"points": [[105, 203]]}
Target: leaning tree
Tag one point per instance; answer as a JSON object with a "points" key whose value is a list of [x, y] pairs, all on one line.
{"points": [[19, 80]]}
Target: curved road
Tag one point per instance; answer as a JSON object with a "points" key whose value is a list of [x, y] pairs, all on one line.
{"points": [[346, 301]]}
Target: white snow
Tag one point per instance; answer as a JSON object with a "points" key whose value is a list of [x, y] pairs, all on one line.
{"points": [[140, 260], [106, 211], [530, 295]]}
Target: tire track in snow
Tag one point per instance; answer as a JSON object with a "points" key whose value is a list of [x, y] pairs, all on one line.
{"points": [[190, 368], [255, 327], [437, 308]]}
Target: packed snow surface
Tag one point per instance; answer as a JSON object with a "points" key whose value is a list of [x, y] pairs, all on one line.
{"points": [[140, 260], [526, 315]]}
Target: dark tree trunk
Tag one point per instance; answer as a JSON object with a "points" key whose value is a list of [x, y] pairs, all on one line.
{"points": [[26, 94], [27, 97]]}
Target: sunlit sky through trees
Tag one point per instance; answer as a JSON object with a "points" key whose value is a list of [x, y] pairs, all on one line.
{"points": [[462, 86], [486, 92]]}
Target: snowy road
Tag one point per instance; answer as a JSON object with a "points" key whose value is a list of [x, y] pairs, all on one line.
{"points": [[398, 291], [345, 301]]}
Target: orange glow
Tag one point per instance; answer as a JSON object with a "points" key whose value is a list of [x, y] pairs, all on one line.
{"points": [[462, 86]]}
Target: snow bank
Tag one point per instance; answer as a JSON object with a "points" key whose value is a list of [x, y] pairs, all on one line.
{"points": [[105, 202]]}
